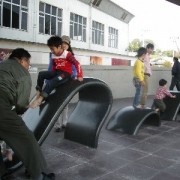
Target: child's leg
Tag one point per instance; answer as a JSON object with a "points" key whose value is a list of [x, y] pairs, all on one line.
{"points": [[65, 116]]}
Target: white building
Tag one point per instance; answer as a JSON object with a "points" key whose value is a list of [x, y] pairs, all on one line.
{"points": [[97, 28]]}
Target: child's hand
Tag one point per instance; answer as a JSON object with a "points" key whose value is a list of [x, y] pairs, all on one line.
{"points": [[174, 96], [80, 79]]}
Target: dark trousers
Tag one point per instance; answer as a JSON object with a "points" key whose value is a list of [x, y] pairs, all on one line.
{"points": [[22, 141], [55, 78], [159, 103], [175, 82]]}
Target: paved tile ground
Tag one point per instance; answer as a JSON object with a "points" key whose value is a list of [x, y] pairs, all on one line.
{"points": [[153, 154]]}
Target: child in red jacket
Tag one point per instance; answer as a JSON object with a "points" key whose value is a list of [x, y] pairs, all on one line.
{"points": [[61, 70]]}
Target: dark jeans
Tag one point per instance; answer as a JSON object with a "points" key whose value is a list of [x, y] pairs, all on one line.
{"points": [[55, 78], [175, 82]]}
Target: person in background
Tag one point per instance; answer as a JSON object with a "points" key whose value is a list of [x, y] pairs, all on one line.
{"points": [[15, 88], [175, 81], [61, 71], [161, 93], [147, 74], [138, 73]]}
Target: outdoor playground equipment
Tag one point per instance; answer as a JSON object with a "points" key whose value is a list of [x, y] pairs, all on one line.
{"points": [[85, 122], [130, 119]]}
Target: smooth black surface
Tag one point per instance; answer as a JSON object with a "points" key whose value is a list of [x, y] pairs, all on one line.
{"points": [[130, 119], [172, 107], [86, 121]]}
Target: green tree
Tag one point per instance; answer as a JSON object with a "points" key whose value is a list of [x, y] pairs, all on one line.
{"points": [[167, 64], [134, 45]]}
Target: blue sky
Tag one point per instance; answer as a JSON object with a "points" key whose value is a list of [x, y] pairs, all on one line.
{"points": [[156, 19]]}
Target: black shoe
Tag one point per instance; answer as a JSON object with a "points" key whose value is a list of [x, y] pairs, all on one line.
{"points": [[63, 126], [50, 176], [59, 129]]}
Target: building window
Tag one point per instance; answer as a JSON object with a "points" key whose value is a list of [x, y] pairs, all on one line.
{"points": [[14, 13], [77, 27], [97, 33], [113, 38], [50, 19]]}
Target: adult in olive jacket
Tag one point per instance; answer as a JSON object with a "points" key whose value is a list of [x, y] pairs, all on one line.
{"points": [[15, 87]]}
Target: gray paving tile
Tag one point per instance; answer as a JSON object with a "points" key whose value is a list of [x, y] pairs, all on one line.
{"points": [[110, 163], [168, 154], [174, 170], [111, 176], [108, 147], [155, 162], [165, 176], [129, 154], [136, 171], [82, 172], [146, 147]]}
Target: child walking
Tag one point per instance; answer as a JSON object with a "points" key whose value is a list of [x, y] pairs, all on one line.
{"points": [[138, 73], [62, 62], [161, 93]]}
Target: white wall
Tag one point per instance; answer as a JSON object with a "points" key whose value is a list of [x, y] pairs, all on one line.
{"points": [[119, 78], [77, 7]]}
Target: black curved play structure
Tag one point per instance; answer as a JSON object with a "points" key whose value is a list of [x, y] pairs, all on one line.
{"points": [[85, 122], [130, 119], [172, 107]]}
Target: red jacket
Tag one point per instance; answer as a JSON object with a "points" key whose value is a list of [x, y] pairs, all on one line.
{"points": [[64, 62]]}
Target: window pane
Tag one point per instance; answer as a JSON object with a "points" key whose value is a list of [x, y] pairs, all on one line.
{"points": [[59, 12], [75, 29], [84, 35], [16, 2], [80, 19], [6, 15], [53, 25], [24, 21], [41, 7], [84, 21], [54, 10], [48, 9], [15, 16], [8, 1], [71, 16], [24, 3], [41, 24], [59, 29], [0, 15], [80, 30], [47, 24], [71, 31]]}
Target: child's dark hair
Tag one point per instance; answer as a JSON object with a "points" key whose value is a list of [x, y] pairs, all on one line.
{"points": [[141, 51], [19, 53], [149, 45], [54, 41], [162, 82]]}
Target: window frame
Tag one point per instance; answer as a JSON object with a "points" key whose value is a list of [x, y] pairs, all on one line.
{"points": [[78, 27]]}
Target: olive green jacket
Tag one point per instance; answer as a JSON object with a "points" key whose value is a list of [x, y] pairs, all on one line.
{"points": [[15, 80]]}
